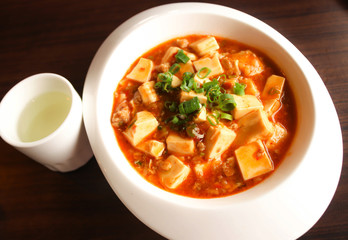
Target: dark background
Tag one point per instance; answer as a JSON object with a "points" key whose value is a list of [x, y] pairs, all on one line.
{"points": [[62, 36]]}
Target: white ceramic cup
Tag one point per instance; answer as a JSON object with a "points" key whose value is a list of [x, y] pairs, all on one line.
{"points": [[66, 148]]}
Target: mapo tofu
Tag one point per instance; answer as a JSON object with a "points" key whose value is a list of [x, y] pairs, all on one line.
{"points": [[204, 116]]}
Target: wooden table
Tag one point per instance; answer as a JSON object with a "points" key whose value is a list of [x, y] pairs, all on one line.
{"points": [[62, 36]]}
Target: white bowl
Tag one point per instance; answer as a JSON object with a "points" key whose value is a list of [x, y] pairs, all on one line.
{"points": [[284, 206]]}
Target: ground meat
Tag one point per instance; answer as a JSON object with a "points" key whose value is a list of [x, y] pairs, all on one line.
{"points": [[201, 146], [182, 43], [121, 116], [164, 67], [228, 166], [137, 98]]}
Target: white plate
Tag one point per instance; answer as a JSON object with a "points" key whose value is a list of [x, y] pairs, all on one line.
{"points": [[288, 203]]}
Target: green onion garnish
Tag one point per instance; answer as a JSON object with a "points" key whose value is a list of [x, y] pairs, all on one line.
{"points": [[189, 106], [227, 102], [203, 72], [226, 116], [197, 89], [172, 106], [165, 77], [239, 89], [174, 68], [175, 120], [273, 91], [181, 57], [211, 122], [187, 82]]}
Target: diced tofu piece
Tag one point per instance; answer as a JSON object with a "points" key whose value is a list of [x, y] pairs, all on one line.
{"points": [[218, 140], [201, 116], [176, 81], [205, 46], [251, 88], [185, 96], [152, 147], [148, 93], [200, 81], [245, 105], [172, 51], [253, 160], [271, 106], [180, 145], [169, 54], [142, 71], [253, 126], [279, 136], [186, 67], [273, 88], [176, 174], [143, 124], [212, 63]]}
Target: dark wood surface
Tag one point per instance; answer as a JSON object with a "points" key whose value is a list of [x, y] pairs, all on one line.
{"points": [[62, 36]]}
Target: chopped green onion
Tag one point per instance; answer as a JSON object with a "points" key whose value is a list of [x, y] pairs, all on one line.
{"points": [[273, 91], [203, 72], [139, 163], [226, 116], [165, 77], [211, 122], [193, 131], [132, 123], [212, 84], [222, 78], [189, 130], [172, 106], [187, 82], [189, 106], [227, 102], [175, 120], [197, 89], [239, 89], [174, 68], [181, 57]]}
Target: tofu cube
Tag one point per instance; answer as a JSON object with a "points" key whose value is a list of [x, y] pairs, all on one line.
{"points": [[279, 135], [143, 124], [142, 71], [148, 93], [271, 106], [205, 46], [201, 116], [186, 67], [185, 96], [245, 105], [169, 54], [213, 63], [253, 160], [218, 139], [273, 88], [180, 145], [176, 174], [176, 82], [172, 51], [152, 147], [251, 88], [253, 126]]}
